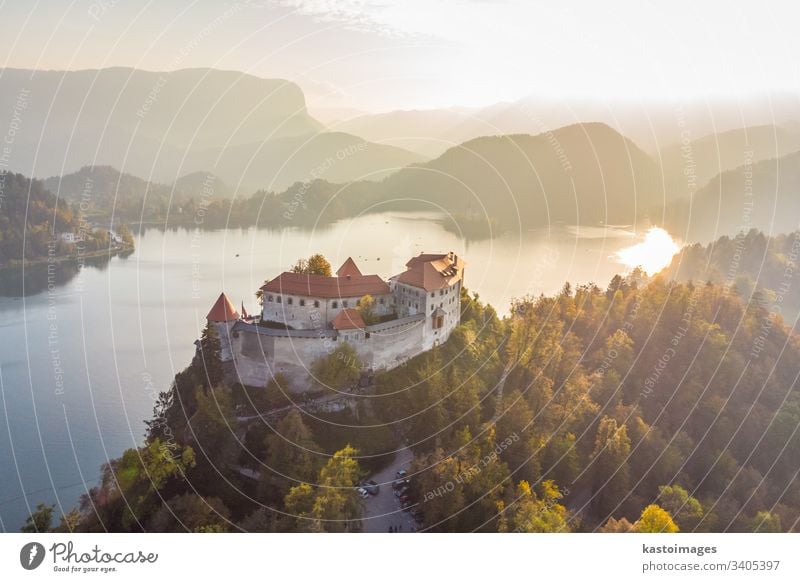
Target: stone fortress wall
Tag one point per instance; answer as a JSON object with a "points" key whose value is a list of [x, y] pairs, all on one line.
{"points": [[298, 327]]}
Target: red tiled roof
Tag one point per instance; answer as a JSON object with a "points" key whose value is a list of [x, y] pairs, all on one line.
{"points": [[349, 269], [432, 271], [326, 287], [348, 319], [223, 310]]}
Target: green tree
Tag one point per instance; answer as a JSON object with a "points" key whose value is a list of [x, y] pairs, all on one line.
{"points": [[191, 512], [655, 519], [332, 506], [291, 455], [213, 428], [210, 354], [338, 369], [685, 509], [611, 474], [40, 520]]}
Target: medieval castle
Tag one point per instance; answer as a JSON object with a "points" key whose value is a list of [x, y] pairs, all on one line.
{"points": [[304, 317]]}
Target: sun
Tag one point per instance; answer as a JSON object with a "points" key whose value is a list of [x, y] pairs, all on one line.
{"points": [[652, 254]]}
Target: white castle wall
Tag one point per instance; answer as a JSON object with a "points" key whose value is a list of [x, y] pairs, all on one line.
{"points": [[259, 353], [310, 313]]}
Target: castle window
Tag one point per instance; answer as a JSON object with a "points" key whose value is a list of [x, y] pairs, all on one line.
{"points": [[441, 292], [270, 298], [335, 304], [433, 293], [344, 303], [280, 299], [381, 300], [290, 301], [316, 303], [302, 303], [432, 307]]}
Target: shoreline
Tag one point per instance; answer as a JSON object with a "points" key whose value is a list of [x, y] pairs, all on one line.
{"points": [[66, 259]]}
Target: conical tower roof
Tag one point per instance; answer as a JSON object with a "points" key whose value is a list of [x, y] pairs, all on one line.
{"points": [[223, 310]]}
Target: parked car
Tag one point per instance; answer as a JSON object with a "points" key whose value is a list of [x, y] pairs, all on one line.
{"points": [[362, 492], [402, 473], [372, 487]]}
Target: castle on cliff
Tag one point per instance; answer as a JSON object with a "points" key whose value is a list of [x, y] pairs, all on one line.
{"points": [[305, 317]]}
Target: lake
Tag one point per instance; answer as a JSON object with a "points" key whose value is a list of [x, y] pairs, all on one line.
{"points": [[83, 356]]}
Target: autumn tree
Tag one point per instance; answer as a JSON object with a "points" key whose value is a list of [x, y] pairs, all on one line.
{"points": [[538, 513], [316, 264], [655, 519], [333, 505], [366, 309]]}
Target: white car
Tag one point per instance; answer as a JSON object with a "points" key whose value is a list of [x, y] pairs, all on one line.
{"points": [[363, 493]]}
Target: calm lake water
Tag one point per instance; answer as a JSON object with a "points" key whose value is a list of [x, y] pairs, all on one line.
{"points": [[82, 361]]}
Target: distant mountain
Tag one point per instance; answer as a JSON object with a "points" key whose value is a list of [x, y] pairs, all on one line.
{"points": [[130, 118], [651, 125], [429, 132], [252, 132], [690, 165], [101, 189], [277, 164], [580, 174], [763, 195]]}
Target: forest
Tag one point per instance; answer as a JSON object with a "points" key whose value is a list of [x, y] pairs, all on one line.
{"points": [[32, 221], [649, 406]]}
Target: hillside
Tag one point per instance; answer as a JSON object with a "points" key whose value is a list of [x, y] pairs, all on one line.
{"points": [[761, 195], [276, 164], [558, 418], [32, 222], [171, 124], [710, 155], [130, 118], [102, 189], [749, 262], [580, 174], [653, 126]]}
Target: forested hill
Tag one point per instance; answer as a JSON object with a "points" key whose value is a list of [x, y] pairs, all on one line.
{"points": [[657, 407], [32, 221], [764, 268]]}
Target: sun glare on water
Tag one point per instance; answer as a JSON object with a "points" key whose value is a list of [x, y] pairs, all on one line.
{"points": [[652, 254]]}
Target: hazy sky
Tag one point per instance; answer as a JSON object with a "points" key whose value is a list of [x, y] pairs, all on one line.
{"points": [[386, 54]]}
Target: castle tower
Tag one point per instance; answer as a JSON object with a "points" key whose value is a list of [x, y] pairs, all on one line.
{"points": [[223, 315]]}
